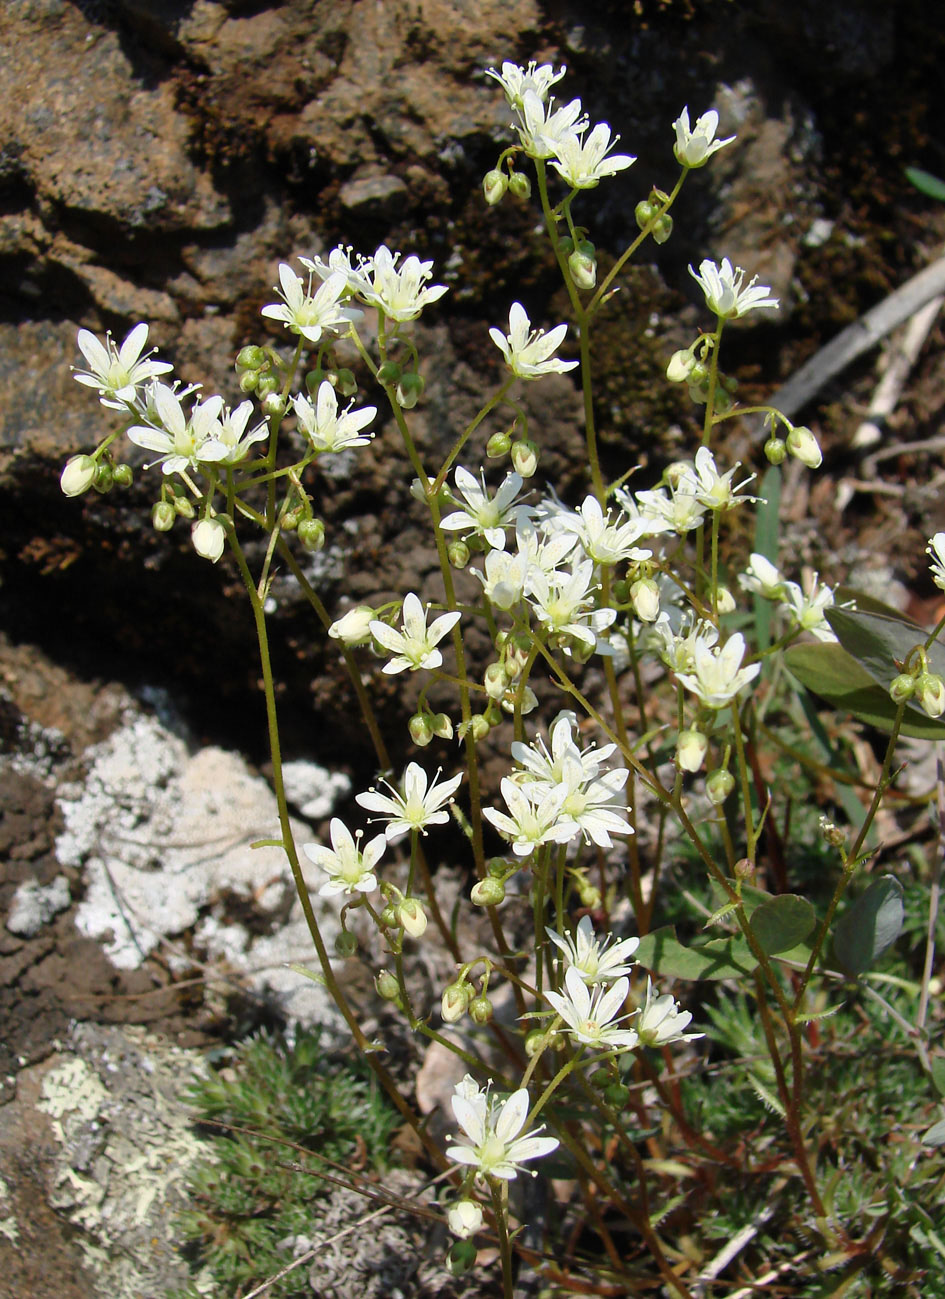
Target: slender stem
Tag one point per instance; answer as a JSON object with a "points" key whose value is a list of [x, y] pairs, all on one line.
{"points": [[499, 1192]]}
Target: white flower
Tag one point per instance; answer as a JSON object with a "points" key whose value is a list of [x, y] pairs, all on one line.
{"points": [[209, 537], [117, 372], [515, 80], [325, 428], [694, 148], [357, 278], [464, 1218], [936, 548], [716, 675], [565, 763], [533, 820], [503, 580], [590, 1016], [762, 577], [601, 540], [415, 646], [311, 314], [662, 1021], [596, 960], [487, 516], [181, 442], [583, 160], [527, 351], [227, 443], [399, 291], [678, 651], [563, 602], [542, 127], [712, 489], [724, 291], [349, 867], [78, 475], [676, 511], [492, 1142], [807, 606], [417, 807]]}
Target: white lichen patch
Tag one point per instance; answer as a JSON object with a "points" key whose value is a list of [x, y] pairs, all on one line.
{"points": [[8, 1225], [164, 838], [35, 904]]}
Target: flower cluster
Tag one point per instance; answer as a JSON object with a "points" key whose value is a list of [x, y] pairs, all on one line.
{"points": [[493, 1143]]}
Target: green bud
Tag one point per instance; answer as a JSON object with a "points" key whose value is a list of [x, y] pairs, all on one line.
{"points": [[123, 475], [457, 552], [184, 507], [719, 785], [617, 1095], [163, 515], [644, 213], [420, 727], [314, 380], [488, 892], [744, 870], [461, 1257], [930, 693], [345, 382], [455, 999], [496, 680], [268, 384], [662, 228], [494, 185], [273, 404], [292, 518], [388, 917], [248, 381], [776, 450], [524, 457], [566, 246], [442, 726], [104, 479], [499, 445], [902, 688], [410, 389], [588, 893], [480, 1010], [519, 185], [389, 374], [698, 373], [493, 714], [477, 726], [583, 270], [534, 1041], [387, 986], [832, 833], [346, 944], [497, 868], [312, 534], [250, 357]]}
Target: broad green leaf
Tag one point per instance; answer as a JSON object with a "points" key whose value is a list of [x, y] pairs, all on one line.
{"points": [[782, 922], [926, 183], [935, 1135], [829, 671], [938, 1073], [870, 926], [721, 958], [881, 643]]}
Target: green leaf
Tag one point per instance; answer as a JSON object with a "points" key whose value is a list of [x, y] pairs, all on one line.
{"points": [[782, 922], [720, 958], [935, 1135], [870, 926], [832, 673], [881, 642], [938, 1073], [927, 184]]}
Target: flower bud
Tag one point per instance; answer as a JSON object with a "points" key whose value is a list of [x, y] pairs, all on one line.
{"points": [[455, 999], [345, 382], [268, 384], [104, 479], [461, 1257], [662, 228], [250, 357], [488, 892], [645, 597], [495, 680], [718, 786], [457, 552], [163, 515], [464, 1218], [832, 833], [776, 450], [209, 538], [477, 726], [644, 213], [388, 917], [499, 445], [524, 457], [412, 917], [387, 986], [123, 475], [930, 693], [346, 944], [744, 869], [312, 534], [494, 185], [802, 444], [420, 727], [724, 600], [519, 185], [902, 688], [355, 627], [691, 750], [588, 894], [480, 1010], [534, 1041], [583, 268], [78, 475], [510, 701], [389, 374], [515, 655], [680, 366], [410, 389], [184, 507], [273, 404], [249, 381], [442, 726], [617, 1094], [497, 868]]}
